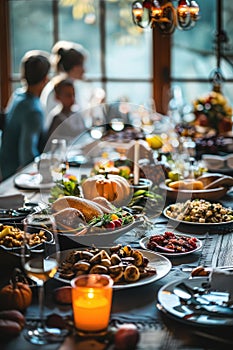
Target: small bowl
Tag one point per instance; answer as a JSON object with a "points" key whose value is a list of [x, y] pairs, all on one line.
{"points": [[144, 184]]}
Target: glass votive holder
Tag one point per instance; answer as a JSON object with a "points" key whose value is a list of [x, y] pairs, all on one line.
{"points": [[143, 184], [91, 303]]}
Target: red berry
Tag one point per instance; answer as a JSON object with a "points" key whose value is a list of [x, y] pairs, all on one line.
{"points": [[110, 225], [117, 223]]}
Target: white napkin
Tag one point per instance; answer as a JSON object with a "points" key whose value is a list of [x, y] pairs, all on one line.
{"points": [[222, 281], [13, 201]]}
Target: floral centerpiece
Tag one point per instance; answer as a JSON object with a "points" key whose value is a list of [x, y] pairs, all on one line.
{"points": [[213, 112]]}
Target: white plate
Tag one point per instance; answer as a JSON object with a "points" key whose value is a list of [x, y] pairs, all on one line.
{"points": [[31, 182], [160, 262], [143, 243], [171, 303], [198, 227], [100, 239]]}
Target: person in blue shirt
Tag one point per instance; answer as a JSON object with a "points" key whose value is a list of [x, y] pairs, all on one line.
{"points": [[23, 132]]}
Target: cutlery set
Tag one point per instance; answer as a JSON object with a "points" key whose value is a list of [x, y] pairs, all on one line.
{"points": [[199, 301]]}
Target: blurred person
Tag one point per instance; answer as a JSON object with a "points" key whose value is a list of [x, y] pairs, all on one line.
{"points": [[69, 59], [65, 94], [23, 135]]}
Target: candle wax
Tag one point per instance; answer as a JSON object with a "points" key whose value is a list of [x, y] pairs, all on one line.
{"points": [[91, 314]]}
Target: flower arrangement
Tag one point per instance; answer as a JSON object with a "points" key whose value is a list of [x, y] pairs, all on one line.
{"points": [[214, 112]]}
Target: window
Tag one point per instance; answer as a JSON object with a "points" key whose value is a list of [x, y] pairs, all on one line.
{"points": [[124, 60], [118, 61], [195, 53]]}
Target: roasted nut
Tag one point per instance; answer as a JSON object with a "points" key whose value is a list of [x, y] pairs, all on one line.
{"points": [[83, 255], [106, 262], [199, 271], [131, 273], [115, 248], [82, 266], [96, 259], [99, 269], [115, 259], [126, 250], [104, 255], [116, 272], [138, 257]]}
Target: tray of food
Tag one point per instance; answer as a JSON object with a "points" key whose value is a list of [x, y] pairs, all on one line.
{"points": [[171, 244], [199, 215], [127, 266]]}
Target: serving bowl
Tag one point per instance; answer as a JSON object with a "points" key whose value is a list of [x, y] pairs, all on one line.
{"points": [[31, 230], [181, 194], [100, 237]]}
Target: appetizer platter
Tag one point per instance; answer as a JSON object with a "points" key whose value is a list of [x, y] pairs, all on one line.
{"points": [[200, 215], [171, 244], [127, 266]]}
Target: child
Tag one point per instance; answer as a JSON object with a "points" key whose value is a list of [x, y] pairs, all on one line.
{"points": [[61, 127]]}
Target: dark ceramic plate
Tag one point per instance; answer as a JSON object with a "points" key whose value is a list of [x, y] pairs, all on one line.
{"points": [[17, 250], [172, 304], [14, 215]]}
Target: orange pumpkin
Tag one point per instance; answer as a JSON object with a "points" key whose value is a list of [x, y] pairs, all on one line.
{"points": [[16, 295], [114, 188]]}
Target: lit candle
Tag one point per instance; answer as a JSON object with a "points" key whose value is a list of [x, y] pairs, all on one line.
{"points": [[136, 167], [91, 301]]}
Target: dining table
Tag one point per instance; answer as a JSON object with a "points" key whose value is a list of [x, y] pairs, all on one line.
{"points": [[140, 306]]}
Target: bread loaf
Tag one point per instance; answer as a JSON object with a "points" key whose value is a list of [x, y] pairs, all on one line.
{"points": [[88, 208], [186, 185]]}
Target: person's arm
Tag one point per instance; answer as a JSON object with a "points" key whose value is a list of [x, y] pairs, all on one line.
{"points": [[29, 138]]}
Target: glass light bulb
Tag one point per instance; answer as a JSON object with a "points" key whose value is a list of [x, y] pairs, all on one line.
{"points": [[194, 10], [183, 15], [156, 10], [137, 11]]}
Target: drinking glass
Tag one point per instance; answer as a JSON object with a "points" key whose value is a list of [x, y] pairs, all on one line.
{"points": [[58, 161], [40, 262]]}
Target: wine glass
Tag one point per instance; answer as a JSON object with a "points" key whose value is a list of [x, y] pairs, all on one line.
{"points": [[58, 158], [40, 260]]}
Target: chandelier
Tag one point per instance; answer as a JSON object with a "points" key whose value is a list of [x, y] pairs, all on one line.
{"points": [[163, 14]]}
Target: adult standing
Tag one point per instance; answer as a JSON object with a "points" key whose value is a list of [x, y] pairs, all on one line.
{"points": [[22, 138], [68, 58]]}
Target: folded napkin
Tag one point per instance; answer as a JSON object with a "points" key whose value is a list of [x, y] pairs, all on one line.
{"points": [[13, 201], [222, 281]]}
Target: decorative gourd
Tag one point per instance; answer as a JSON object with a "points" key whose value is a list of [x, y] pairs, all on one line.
{"points": [[15, 295], [114, 188]]}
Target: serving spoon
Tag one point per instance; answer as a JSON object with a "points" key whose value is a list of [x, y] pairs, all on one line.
{"points": [[224, 181]]}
